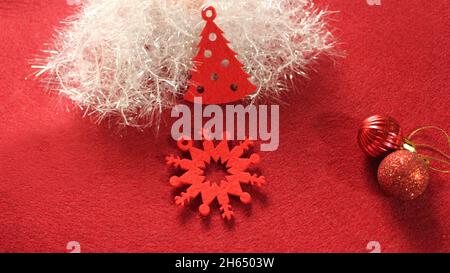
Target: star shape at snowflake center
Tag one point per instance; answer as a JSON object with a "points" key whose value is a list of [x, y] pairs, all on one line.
{"points": [[216, 172]]}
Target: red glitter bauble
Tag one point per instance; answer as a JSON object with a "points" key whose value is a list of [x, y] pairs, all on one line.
{"points": [[404, 175], [380, 135]]}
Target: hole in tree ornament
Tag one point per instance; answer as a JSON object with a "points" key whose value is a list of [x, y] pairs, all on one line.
{"points": [[225, 63], [209, 14], [200, 89], [212, 37], [208, 53], [234, 87]]}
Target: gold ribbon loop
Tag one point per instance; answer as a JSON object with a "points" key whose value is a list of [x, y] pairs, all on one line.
{"points": [[410, 145]]}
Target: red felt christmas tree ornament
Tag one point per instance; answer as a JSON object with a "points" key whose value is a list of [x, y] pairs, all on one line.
{"points": [[218, 76], [404, 173]]}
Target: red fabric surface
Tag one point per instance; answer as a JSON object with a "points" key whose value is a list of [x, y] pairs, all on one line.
{"points": [[64, 178]]}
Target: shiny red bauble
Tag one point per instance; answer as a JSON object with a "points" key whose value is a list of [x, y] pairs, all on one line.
{"points": [[404, 175], [379, 135]]}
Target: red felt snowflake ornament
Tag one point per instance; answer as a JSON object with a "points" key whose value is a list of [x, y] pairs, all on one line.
{"points": [[237, 173]]}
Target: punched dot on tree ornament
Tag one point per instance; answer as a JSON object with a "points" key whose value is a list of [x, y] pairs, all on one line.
{"points": [[200, 89], [208, 53], [212, 37], [225, 63]]}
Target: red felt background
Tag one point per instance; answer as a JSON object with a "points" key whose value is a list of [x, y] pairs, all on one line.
{"points": [[64, 178]]}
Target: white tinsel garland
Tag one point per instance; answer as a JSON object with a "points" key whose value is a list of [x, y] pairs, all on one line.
{"points": [[130, 58]]}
